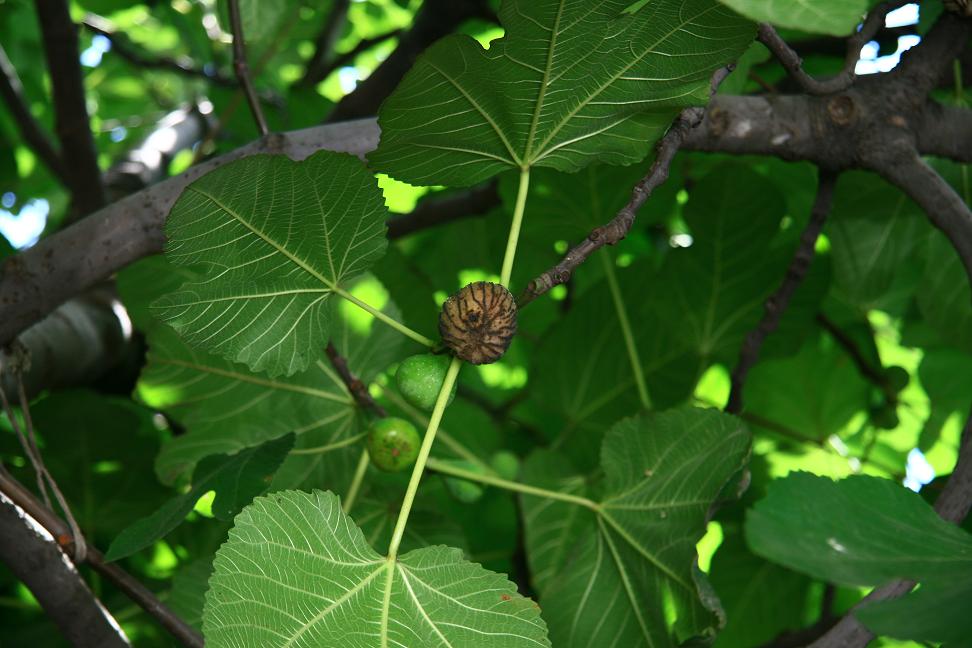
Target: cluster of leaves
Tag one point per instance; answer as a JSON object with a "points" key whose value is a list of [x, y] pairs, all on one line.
{"points": [[605, 398]]}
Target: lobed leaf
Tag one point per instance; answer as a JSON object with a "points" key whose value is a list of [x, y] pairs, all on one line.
{"points": [[297, 572], [276, 238], [570, 83]]}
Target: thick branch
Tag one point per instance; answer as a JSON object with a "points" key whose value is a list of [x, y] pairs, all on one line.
{"points": [[60, 37], [792, 63], [122, 46], [243, 68], [34, 557], [132, 588], [317, 67], [923, 66], [61, 266], [437, 211], [12, 93], [434, 20], [777, 303]]}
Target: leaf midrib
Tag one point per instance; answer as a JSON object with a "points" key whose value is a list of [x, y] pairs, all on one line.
{"points": [[301, 263]]}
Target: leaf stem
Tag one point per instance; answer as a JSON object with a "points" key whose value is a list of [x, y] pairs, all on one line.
{"points": [[511, 243], [446, 468], [423, 457], [359, 474], [390, 321], [626, 332], [337, 445]]}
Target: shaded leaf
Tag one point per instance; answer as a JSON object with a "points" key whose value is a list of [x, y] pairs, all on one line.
{"points": [[944, 296]]}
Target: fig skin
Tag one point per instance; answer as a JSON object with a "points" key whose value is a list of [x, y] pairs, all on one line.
{"points": [[393, 444], [478, 322]]}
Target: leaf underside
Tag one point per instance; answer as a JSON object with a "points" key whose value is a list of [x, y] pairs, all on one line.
{"points": [[571, 82]]}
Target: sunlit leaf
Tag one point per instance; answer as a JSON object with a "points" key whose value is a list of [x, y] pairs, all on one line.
{"points": [[276, 238], [296, 571], [570, 83], [834, 17]]}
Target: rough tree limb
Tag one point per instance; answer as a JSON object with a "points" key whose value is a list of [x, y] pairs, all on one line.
{"points": [[130, 586], [317, 67], [121, 45], [12, 93], [35, 558], [792, 63], [36, 281], [618, 227], [777, 303], [60, 39]]}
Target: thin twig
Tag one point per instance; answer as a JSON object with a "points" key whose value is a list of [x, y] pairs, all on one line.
{"points": [[243, 69], [777, 303], [792, 63], [124, 47], [873, 374], [359, 390], [347, 58], [130, 586], [618, 227], [317, 68], [12, 93], [71, 124]]}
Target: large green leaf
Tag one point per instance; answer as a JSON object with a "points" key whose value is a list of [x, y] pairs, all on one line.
{"points": [[834, 17], [296, 572], [624, 571], [937, 612], [858, 531], [276, 239], [944, 295], [226, 408], [873, 230], [235, 479], [570, 83]]}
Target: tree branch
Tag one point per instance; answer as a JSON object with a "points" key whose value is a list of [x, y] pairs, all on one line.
{"points": [[32, 284], [359, 390], [12, 93], [34, 557], [792, 63], [121, 45], [347, 58], [243, 69], [777, 303], [317, 68], [923, 66], [618, 227], [944, 207], [434, 20], [13, 491], [60, 38], [437, 211]]}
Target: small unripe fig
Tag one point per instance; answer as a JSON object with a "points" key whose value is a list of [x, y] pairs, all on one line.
{"points": [[420, 377], [393, 444], [506, 464], [478, 322], [885, 417], [897, 378], [464, 490]]}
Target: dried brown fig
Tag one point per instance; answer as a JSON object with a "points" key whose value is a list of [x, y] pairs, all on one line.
{"points": [[479, 322]]}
